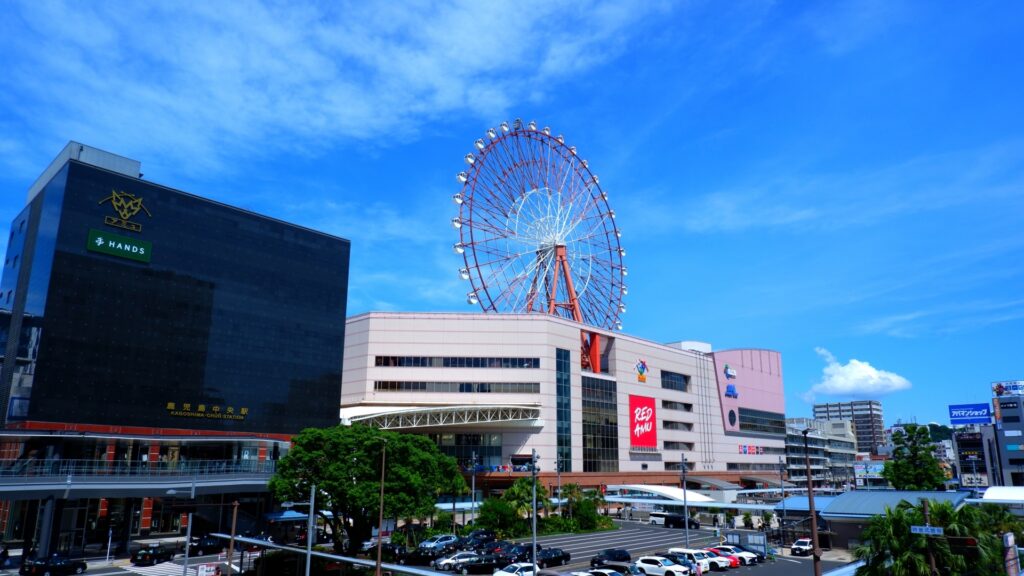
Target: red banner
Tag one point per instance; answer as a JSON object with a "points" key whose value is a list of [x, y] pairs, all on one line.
{"points": [[642, 422]]}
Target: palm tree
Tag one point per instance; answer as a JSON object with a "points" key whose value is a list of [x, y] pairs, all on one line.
{"points": [[520, 496], [572, 493], [890, 549]]}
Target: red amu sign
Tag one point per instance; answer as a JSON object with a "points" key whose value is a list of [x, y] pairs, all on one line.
{"points": [[642, 422]]}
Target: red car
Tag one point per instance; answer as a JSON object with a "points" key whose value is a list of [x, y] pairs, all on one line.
{"points": [[734, 561]]}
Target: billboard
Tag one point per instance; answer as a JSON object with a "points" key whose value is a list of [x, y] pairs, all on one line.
{"points": [[1008, 388], [961, 414], [643, 429]]}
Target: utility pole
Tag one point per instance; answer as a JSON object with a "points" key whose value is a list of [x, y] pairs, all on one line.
{"points": [[931, 557], [686, 504], [310, 527], [782, 486], [231, 544], [473, 490], [558, 468], [533, 515], [810, 504], [380, 513]]}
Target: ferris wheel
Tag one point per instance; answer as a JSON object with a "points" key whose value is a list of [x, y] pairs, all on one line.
{"points": [[536, 232]]}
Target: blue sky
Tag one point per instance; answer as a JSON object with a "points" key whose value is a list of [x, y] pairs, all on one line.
{"points": [[839, 181]]}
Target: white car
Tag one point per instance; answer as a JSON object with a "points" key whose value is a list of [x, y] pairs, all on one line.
{"points": [[517, 569], [454, 561], [660, 566], [372, 543], [718, 562], [439, 541], [801, 547], [698, 557], [745, 557]]}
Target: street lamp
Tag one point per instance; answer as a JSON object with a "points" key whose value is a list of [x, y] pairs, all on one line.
{"points": [[380, 516], [686, 503], [472, 508], [533, 516], [558, 468], [782, 486], [231, 543], [310, 525], [810, 505], [188, 529]]}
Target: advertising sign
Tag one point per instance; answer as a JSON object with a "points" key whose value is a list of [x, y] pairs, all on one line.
{"points": [[1008, 388], [868, 470], [961, 414], [643, 430]]}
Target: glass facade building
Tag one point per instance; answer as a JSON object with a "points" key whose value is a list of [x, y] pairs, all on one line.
{"points": [[126, 303]]}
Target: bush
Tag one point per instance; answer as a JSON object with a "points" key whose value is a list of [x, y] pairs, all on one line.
{"points": [[500, 516]]}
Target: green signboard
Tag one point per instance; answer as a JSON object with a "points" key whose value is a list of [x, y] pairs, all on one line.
{"points": [[120, 246]]}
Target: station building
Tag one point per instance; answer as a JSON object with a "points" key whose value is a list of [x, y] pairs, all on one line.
{"points": [[625, 412], [157, 347]]}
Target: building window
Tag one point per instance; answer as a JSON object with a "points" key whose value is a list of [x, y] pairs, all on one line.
{"points": [[687, 446], [670, 405], [487, 448], [762, 422], [455, 362], [673, 381], [671, 425], [563, 409], [600, 425], [459, 387]]}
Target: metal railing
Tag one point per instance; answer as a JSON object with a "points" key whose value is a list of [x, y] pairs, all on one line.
{"points": [[31, 470]]}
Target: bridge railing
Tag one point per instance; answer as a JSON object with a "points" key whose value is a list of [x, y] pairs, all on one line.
{"points": [[32, 470]]}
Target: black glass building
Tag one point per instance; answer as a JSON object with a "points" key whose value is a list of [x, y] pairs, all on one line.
{"points": [[127, 303]]}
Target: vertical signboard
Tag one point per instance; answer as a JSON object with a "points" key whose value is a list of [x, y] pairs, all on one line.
{"points": [[643, 430]]}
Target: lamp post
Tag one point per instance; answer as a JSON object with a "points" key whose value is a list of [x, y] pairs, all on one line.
{"points": [[188, 529], [310, 527], [472, 490], [231, 543], [380, 514], [782, 486], [686, 503], [533, 514], [558, 468], [810, 505]]}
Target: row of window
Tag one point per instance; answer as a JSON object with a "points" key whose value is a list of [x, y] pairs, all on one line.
{"points": [[455, 362], [464, 387], [751, 466], [669, 445], [600, 426], [670, 405], [762, 421], [672, 425]]}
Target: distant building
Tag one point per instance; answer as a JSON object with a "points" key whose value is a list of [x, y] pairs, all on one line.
{"points": [[976, 457], [832, 448], [866, 416]]}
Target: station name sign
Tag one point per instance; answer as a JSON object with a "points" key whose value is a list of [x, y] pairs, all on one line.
{"points": [[120, 246]]}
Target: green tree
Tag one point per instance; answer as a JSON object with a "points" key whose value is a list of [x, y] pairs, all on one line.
{"points": [[344, 463], [573, 495], [913, 467], [499, 515], [520, 496]]}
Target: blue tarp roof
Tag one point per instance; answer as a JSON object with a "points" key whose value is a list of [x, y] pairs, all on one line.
{"points": [[289, 515], [800, 504]]}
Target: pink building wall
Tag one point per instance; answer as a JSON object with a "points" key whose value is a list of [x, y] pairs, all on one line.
{"points": [[756, 384]]}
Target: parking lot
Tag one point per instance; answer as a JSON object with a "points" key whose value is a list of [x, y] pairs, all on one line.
{"points": [[642, 539]]}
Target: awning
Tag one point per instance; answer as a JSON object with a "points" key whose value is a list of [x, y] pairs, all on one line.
{"points": [[768, 480], [713, 482]]}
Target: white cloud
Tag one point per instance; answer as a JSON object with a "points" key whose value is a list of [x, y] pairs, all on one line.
{"points": [[192, 82], [856, 378]]}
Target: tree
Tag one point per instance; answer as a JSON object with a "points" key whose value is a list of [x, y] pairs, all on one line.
{"points": [[913, 467], [890, 548], [573, 495], [344, 464], [499, 515], [520, 496]]}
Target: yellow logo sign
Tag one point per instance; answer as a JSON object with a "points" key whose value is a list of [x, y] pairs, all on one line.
{"points": [[126, 205]]}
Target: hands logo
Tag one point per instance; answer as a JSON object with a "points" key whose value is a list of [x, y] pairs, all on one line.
{"points": [[641, 370]]}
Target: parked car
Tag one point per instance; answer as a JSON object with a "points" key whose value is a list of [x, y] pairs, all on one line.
{"points": [[453, 562], [371, 544], [206, 545], [516, 569], [484, 564], [496, 547], [439, 541], [55, 565], [602, 572], [698, 557], [746, 558], [150, 555], [680, 559], [479, 537], [552, 557], [419, 557], [660, 566], [523, 552], [801, 547], [722, 561], [615, 557], [754, 551]]}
